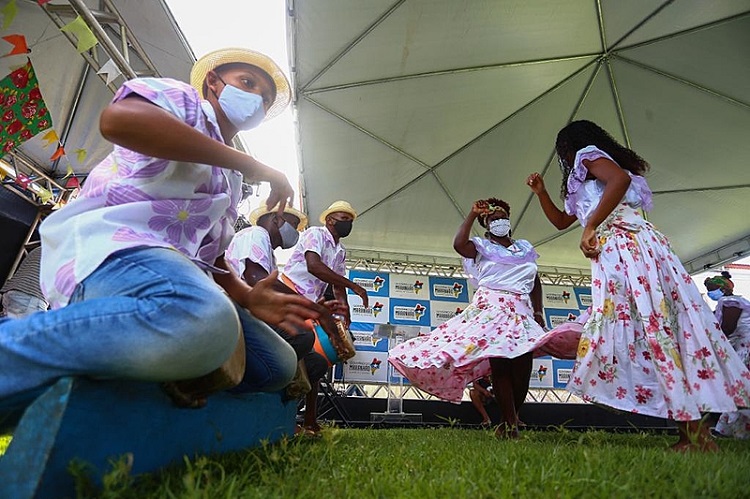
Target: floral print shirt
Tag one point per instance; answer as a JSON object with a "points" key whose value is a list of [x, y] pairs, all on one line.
{"points": [[254, 244], [318, 240], [131, 200]]}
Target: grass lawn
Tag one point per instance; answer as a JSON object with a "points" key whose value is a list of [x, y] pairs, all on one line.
{"points": [[450, 462]]}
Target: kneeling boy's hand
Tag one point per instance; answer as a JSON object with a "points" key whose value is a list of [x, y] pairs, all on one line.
{"points": [[288, 311]]}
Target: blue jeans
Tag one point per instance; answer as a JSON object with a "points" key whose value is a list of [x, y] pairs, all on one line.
{"points": [[17, 304], [146, 314]]}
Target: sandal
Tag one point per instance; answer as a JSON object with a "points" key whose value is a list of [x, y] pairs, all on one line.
{"points": [[182, 399]]}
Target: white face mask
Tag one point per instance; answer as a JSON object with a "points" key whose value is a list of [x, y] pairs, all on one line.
{"points": [[289, 235], [500, 227], [243, 109]]}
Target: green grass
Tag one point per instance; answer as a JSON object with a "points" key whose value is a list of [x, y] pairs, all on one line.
{"points": [[450, 462]]}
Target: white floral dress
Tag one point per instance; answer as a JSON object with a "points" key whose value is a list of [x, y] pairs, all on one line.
{"points": [[736, 424], [651, 345], [499, 322]]}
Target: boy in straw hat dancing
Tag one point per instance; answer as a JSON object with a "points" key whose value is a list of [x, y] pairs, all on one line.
{"points": [[127, 265], [318, 260]]}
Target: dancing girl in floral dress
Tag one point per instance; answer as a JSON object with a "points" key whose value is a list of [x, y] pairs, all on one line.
{"points": [[497, 332], [651, 345]]}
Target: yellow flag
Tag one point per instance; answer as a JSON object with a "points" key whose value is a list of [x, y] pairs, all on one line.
{"points": [[2, 174], [44, 195], [9, 13], [50, 138], [80, 29], [69, 171], [81, 155]]}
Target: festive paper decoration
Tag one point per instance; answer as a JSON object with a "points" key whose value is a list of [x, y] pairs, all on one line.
{"points": [[68, 172], [111, 70], [2, 174], [50, 138], [24, 113], [23, 180], [43, 194], [79, 28], [81, 155], [19, 44], [42, 2], [9, 13], [59, 153], [73, 183]]}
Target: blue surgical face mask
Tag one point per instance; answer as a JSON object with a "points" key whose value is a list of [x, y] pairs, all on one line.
{"points": [[243, 109], [289, 235], [715, 294]]}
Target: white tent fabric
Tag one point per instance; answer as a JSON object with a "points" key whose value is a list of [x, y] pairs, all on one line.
{"points": [[413, 109]]}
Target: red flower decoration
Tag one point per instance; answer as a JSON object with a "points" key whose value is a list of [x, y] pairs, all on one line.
{"points": [[8, 115], [20, 77], [14, 127]]}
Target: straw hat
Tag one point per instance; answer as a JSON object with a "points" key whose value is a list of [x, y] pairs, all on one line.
{"points": [[338, 206], [215, 59], [263, 210]]}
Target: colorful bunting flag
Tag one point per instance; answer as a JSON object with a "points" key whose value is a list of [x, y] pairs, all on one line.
{"points": [[69, 171], [111, 70], [23, 180], [50, 138], [43, 194], [73, 183], [9, 13], [24, 113], [42, 2], [81, 155], [19, 44], [2, 174], [59, 153], [79, 28]]}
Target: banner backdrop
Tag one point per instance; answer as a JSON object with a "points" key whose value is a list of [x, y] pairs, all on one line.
{"points": [[427, 302]]}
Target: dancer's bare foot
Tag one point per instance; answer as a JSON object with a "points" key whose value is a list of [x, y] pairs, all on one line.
{"points": [[504, 431]]}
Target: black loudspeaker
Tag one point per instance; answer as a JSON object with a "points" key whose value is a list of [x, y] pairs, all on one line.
{"points": [[16, 218]]}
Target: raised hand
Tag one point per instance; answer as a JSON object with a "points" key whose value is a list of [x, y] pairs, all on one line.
{"points": [[536, 183], [281, 193]]}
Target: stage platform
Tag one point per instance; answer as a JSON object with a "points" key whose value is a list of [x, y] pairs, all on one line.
{"points": [[356, 412]]}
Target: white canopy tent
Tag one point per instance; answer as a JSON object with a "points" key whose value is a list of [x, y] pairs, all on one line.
{"points": [[413, 109]]}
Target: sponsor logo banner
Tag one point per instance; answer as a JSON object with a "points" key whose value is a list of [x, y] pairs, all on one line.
{"points": [[449, 289], [541, 374], [441, 311], [557, 316], [583, 296], [412, 287], [367, 367], [367, 341], [409, 312], [378, 311], [559, 297], [562, 368], [375, 283]]}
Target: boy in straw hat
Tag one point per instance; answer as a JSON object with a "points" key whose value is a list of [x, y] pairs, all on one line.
{"points": [[127, 265], [317, 262]]}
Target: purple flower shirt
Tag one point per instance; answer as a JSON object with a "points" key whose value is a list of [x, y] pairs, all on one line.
{"points": [[318, 240], [131, 199], [254, 244]]}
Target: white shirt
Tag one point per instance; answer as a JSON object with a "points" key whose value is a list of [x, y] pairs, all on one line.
{"points": [[511, 269], [254, 244], [318, 240]]}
